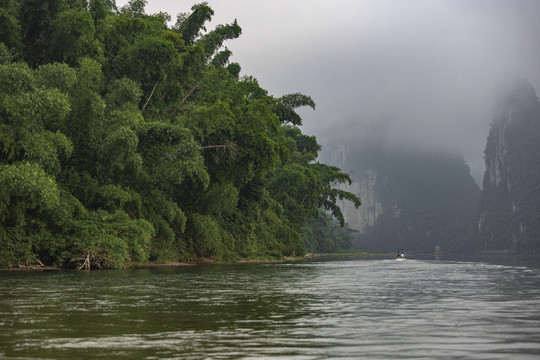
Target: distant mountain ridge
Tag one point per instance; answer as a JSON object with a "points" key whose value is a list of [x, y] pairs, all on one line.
{"points": [[425, 202], [509, 211], [428, 201]]}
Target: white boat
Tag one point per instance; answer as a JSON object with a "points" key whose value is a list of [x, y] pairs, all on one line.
{"points": [[400, 256]]}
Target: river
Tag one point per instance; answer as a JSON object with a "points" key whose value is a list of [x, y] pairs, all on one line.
{"points": [[355, 308]]}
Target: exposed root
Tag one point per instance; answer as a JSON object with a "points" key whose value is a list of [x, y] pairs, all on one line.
{"points": [[86, 263]]}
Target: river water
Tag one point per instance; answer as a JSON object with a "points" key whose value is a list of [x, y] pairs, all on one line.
{"points": [[356, 308]]}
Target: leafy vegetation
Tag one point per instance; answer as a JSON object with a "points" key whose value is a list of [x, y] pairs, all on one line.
{"points": [[124, 139]]}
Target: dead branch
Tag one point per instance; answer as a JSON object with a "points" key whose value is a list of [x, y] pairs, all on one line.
{"points": [[229, 149], [189, 93], [149, 97], [86, 263]]}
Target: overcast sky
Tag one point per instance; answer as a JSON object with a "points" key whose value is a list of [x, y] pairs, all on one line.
{"points": [[418, 73]]}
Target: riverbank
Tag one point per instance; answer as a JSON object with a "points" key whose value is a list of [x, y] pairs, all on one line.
{"points": [[209, 261], [343, 254], [153, 264]]}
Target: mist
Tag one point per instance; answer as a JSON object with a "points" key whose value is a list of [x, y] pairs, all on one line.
{"points": [[408, 74]]}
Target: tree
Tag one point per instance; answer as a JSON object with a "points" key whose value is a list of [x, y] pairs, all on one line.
{"points": [[73, 37], [191, 25], [36, 27], [125, 140], [9, 25]]}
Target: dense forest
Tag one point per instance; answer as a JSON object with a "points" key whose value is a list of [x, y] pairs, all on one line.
{"points": [[124, 139]]}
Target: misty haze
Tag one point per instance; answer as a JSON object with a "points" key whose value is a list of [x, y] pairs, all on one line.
{"points": [[419, 74], [288, 179]]}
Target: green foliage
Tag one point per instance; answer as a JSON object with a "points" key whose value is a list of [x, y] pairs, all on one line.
{"points": [[17, 77], [122, 92], [274, 238], [212, 41], [284, 107], [35, 19], [98, 10], [149, 60], [191, 25], [56, 76], [16, 248], [125, 140], [6, 54], [306, 146], [48, 150], [9, 25], [204, 236], [25, 190], [135, 8], [171, 156], [110, 240], [73, 37], [324, 234]]}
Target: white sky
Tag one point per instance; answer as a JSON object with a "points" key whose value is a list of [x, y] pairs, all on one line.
{"points": [[422, 72]]}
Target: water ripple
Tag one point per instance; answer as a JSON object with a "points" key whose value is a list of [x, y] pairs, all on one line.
{"points": [[377, 309]]}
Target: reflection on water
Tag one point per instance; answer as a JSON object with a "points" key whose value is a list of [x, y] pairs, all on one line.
{"points": [[421, 309]]}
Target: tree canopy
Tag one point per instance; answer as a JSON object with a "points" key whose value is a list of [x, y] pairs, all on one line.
{"points": [[124, 139]]}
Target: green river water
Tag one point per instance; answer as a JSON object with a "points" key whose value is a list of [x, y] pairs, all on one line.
{"points": [[352, 309]]}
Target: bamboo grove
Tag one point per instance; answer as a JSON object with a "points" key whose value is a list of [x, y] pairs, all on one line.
{"points": [[124, 139]]}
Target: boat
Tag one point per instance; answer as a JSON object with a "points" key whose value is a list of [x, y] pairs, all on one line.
{"points": [[400, 255]]}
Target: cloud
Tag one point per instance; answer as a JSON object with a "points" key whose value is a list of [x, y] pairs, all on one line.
{"points": [[426, 70]]}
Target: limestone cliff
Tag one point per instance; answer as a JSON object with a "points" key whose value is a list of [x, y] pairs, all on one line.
{"points": [[509, 216], [414, 200], [366, 215]]}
